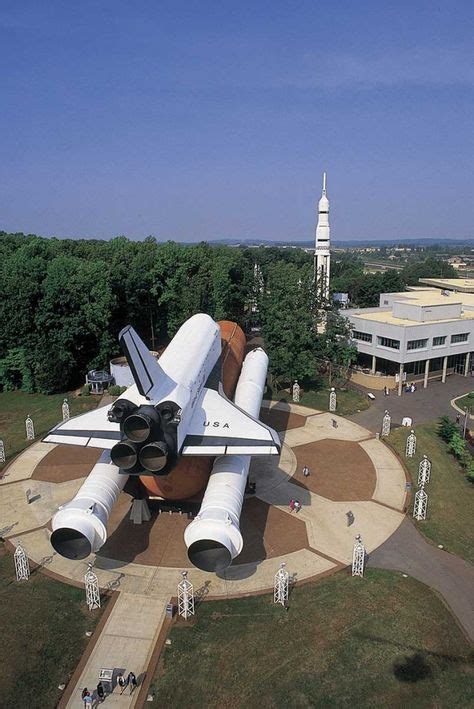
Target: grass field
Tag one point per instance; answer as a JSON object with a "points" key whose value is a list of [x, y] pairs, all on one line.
{"points": [[348, 400], [384, 641], [43, 626], [450, 518], [464, 401], [44, 409]]}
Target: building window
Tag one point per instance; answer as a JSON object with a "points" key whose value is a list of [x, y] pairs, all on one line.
{"points": [[462, 337], [363, 336], [438, 341], [388, 342], [416, 344]]}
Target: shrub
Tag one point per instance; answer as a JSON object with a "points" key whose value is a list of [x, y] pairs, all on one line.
{"points": [[457, 446], [447, 428], [86, 390], [116, 390]]}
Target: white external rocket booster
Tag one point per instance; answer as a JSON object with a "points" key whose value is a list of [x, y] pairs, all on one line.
{"points": [[214, 538], [80, 526]]}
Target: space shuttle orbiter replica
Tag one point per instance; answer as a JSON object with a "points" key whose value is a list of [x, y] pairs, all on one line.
{"points": [[176, 407]]}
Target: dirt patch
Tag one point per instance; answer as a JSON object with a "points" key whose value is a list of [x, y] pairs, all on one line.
{"points": [[65, 463], [339, 470], [267, 532], [281, 420]]}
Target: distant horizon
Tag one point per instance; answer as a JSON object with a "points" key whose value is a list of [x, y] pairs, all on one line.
{"points": [[193, 120], [252, 240]]}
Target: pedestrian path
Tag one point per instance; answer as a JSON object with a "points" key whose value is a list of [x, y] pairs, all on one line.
{"points": [[408, 551], [126, 644]]}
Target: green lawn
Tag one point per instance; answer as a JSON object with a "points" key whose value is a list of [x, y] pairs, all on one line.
{"points": [[450, 518], [381, 641], [348, 400], [44, 409], [43, 626], [464, 401]]}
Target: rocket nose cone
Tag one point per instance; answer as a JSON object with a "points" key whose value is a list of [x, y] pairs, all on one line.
{"points": [[209, 555], [70, 543]]}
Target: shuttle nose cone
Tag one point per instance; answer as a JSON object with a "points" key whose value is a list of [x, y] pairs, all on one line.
{"points": [[154, 456], [124, 455]]}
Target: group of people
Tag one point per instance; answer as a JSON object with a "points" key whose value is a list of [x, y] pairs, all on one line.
{"points": [[89, 697], [295, 505], [410, 388]]}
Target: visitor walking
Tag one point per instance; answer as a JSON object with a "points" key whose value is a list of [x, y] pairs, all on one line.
{"points": [[100, 692], [458, 418], [84, 693], [292, 505], [131, 681], [306, 471], [122, 683], [88, 700], [297, 505]]}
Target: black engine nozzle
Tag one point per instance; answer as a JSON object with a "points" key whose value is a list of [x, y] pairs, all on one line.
{"points": [[154, 456], [137, 427], [124, 455]]}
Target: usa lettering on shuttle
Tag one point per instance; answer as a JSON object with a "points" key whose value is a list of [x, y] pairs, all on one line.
{"points": [[216, 424]]}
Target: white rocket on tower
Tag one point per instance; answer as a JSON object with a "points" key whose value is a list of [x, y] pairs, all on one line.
{"points": [[322, 256]]}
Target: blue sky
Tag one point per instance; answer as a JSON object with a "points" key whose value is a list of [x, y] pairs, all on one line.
{"points": [[201, 120]]}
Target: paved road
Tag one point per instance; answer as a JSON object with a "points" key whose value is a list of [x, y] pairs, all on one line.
{"points": [[422, 406], [409, 552]]}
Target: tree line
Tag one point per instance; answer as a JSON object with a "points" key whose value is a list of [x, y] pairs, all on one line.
{"points": [[65, 301], [348, 276]]}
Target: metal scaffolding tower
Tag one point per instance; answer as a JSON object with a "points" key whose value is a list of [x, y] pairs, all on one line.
{"points": [[281, 585], [421, 503], [332, 400], [296, 392], [424, 471], [65, 410], [2, 452], [185, 597], [30, 428], [92, 589], [386, 423], [411, 445], [358, 557], [22, 566]]}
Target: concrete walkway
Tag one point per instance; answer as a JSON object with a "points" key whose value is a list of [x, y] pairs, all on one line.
{"points": [[422, 406], [453, 578], [126, 644]]}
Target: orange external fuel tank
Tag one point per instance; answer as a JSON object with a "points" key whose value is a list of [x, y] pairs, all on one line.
{"points": [[191, 474]]}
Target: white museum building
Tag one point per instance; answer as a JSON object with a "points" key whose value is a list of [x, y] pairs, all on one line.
{"points": [[424, 333]]}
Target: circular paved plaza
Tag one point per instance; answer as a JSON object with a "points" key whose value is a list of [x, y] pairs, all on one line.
{"points": [[350, 472]]}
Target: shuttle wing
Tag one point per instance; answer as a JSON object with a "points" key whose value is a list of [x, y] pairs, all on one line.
{"points": [[92, 429], [218, 427]]}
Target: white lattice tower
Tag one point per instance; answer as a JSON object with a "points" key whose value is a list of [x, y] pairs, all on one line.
{"points": [[386, 423], [2, 452], [92, 589], [424, 471], [358, 557], [411, 445], [281, 585], [296, 392], [30, 428], [65, 410], [332, 400], [421, 503], [185, 597], [22, 566]]}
